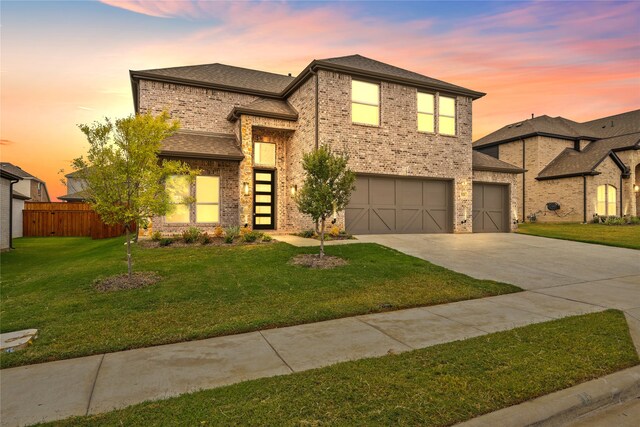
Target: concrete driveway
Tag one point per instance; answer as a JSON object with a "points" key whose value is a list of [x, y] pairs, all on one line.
{"points": [[595, 274]]}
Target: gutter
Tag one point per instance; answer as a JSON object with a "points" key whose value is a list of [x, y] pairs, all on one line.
{"points": [[584, 199], [569, 175], [238, 111], [236, 158]]}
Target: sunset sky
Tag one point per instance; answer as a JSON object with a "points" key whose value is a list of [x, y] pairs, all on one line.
{"points": [[64, 63]]}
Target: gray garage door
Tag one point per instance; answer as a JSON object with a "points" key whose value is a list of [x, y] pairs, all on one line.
{"points": [[382, 205], [490, 208]]}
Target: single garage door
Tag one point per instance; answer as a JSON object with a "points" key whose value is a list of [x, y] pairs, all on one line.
{"points": [[490, 208], [381, 205]]}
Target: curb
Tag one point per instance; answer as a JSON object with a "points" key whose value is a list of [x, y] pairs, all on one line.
{"points": [[561, 407]]}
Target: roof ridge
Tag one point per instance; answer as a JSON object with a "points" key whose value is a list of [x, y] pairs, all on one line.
{"points": [[216, 63]]}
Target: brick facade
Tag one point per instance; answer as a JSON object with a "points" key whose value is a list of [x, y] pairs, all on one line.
{"points": [[394, 148], [568, 192]]}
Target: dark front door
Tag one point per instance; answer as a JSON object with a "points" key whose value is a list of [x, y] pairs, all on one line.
{"points": [[264, 192]]}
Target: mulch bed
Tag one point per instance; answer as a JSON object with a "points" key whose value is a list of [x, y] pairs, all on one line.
{"points": [[315, 261], [146, 243], [121, 282]]}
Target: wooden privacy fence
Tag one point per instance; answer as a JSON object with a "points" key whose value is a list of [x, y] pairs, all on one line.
{"points": [[41, 219]]}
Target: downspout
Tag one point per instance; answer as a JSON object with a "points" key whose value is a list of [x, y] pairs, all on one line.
{"points": [[315, 73], [620, 186], [11, 182], [584, 198], [524, 182]]}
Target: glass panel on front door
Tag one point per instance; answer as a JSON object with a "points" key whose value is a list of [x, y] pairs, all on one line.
{"points": [[263, 199]]}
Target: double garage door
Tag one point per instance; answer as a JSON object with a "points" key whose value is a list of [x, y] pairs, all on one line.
{"points": [[384, 205], [381, 205]]}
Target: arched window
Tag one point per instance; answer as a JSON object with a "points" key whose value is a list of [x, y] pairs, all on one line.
{"points": [[606, 202]]}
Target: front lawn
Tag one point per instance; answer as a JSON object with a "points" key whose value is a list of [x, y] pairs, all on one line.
{"points": [[204, 292], [437, 386], [624, 236]]}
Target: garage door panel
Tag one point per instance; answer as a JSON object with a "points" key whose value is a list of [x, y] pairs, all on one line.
{"points": [[490, 208], [399, 205], [382, 192]]}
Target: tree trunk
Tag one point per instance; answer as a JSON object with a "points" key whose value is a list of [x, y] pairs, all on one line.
{"points": [[322, 238], [129, 269]]}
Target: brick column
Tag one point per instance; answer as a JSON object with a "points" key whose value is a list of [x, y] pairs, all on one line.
{"points": [[246, 172]]}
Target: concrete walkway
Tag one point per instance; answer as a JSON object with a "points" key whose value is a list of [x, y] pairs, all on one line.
{"points": [[564, 278], [95, 384]]}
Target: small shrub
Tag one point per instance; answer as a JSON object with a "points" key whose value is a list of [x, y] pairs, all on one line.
{"points": [[231, 232], [156, 236], [307, 233], [266, 238], [165, 241], [218, 231], [191, 235], [205, 238], [229, 238], [251, 236], [335, 231], [634, 220]]}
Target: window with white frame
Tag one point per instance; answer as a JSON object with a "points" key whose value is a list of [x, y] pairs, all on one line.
{"points": [[446, 115], [207, 199], [178, 190], [606, 200], [264, 154], [365, 103], [426, 112]]}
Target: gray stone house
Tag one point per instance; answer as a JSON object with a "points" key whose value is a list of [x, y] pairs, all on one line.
{"points": [[586, 169], [408, 137]]}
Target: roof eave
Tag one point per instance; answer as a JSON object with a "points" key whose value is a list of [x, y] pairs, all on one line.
{"points": [[498, 169], [238, 111], [315, 65], [568, 175], [137, 75], [532, 134], [192, 155]]}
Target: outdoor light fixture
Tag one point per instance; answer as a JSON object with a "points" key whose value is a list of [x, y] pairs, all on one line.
{"points": [[294, 190], [245, 188], [636, 188]]}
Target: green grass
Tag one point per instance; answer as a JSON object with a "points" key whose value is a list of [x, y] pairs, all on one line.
{"points": [[437, 386], [205, 292], [624, 236]]}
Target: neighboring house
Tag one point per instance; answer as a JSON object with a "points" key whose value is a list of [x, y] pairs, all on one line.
{"points": [[588, 169], [29, 188], [7, 182], [75, 188], [408, 137]]}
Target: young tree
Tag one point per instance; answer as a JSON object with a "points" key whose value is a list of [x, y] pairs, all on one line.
{"points": [[327, 186], [125, 180]]}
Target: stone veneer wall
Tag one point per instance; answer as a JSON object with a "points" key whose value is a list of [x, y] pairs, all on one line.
{"points": [[228, 172], [631, 199], [502, 178], [396, 147]]}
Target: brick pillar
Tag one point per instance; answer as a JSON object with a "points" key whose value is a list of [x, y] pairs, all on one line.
{"points": [[463, 205]]}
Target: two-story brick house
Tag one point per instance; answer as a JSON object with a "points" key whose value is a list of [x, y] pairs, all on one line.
{"points": [[408, 138], [586, 169]]}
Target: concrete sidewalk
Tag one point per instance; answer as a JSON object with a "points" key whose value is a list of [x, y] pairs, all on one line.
{"points": [[94, 384]]}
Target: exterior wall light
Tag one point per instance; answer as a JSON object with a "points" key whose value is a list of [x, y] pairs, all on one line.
{"points": [[636, 188], [245, 188], [294, 190]]}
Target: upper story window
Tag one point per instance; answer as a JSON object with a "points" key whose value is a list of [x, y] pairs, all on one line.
{"points": [[178, 190], [606, 200], [365, 103], [264, 154], [426, 112], [446, 115]]}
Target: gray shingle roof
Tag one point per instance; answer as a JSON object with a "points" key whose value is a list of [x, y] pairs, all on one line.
{"points": [[484, 162], [79, 196], [363, 64], [275, 108], [619, 124], [16, 170], [19, 195], [541, 125], [202, 145], [571, 162], [223, 75]]}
